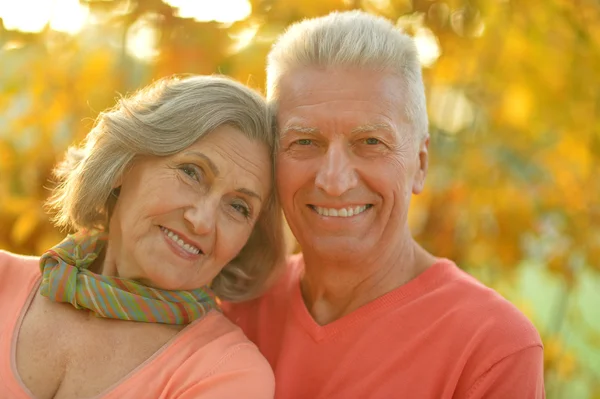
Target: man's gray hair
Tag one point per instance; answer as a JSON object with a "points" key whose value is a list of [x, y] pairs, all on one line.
{"points": [[352, 39]]}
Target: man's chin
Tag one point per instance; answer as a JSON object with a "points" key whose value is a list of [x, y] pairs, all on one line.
{"points": [[336, 248]]}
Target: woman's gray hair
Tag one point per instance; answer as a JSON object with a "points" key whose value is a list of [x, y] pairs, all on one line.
{"points": [[351, 39], [161, 120]]}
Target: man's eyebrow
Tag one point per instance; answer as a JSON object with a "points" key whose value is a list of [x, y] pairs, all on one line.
{"points": [[299, 129], [206, 159], [372, 127], [249, 193]]}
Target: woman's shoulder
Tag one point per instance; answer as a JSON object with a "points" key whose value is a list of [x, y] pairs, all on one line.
{"points": [[217, 335], [215, 359], [233, 350], [18, 276], [15, 267]]}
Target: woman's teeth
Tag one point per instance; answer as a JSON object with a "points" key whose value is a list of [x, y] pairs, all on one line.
{"points": [[175, 238]]}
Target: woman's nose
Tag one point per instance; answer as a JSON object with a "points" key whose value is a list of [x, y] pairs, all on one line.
{"points": [[201, 217]]}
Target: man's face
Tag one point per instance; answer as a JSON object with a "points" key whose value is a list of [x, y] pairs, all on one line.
{"points": [[349, 161]]}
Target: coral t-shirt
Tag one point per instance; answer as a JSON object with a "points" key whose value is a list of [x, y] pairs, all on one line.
{"points": [[210, 358], [441, 335]]}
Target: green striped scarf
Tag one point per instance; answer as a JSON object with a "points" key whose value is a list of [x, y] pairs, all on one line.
{"points": [[66, 278]]}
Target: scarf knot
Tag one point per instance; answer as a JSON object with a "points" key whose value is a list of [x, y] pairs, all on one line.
{"points": [[66, 278]]}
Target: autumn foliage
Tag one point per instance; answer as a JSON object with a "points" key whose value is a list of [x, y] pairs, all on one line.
{"points": [[513, 96]]}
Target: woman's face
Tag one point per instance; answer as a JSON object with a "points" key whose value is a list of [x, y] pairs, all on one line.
{"points": [[180, 219]]}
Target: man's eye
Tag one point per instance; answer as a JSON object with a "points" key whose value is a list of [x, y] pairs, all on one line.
{"points": [[372, 141]]}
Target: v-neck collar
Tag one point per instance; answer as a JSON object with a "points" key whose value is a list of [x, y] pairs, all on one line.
{"points": [[425, 281]]}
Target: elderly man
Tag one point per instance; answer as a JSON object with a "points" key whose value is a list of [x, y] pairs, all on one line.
{"points": [[364, 311]]}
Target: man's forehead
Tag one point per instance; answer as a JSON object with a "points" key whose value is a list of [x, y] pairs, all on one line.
{"points": [[335, 77], [342, 92], [349, 100]]}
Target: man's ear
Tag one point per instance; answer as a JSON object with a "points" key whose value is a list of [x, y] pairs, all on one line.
{"points": [[423, 164]]}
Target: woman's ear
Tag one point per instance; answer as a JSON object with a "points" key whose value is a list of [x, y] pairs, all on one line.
{"points": [[111, 202], [115, 192], [118, 182]]}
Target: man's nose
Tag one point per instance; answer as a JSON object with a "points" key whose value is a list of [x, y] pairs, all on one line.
{"points": [[336, 174]]}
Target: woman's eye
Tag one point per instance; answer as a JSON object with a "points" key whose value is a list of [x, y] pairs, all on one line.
{"points": [[304, 142], [241, 208], [192, 171], [372, 141]]}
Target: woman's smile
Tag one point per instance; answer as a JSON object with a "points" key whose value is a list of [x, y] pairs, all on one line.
{"points": [[180, 246]]}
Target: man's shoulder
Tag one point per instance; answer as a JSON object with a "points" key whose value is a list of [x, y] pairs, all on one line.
{"points": [[486, 316], [484, 300], [484, 327]]}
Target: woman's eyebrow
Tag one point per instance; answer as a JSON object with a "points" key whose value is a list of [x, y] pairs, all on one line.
{"points": [[206, 159], [249, 193]]}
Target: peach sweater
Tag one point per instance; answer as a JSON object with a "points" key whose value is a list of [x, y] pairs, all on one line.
{"points": [[210, 358]]}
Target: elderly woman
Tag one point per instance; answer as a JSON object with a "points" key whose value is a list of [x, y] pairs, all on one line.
{"points": [[172, 202]]}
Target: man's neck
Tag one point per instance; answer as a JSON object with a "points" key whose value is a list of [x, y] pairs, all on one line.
{"points": [[333, 289]]}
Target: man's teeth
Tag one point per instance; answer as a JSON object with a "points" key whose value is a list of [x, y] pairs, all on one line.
{"points": [[341, 213], [187, 247]]}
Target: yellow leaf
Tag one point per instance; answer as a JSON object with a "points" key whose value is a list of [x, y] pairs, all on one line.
{"points": [[24, 226], [566, 366], [16, 205], [553, 348], [47, 240], [517, 105]]}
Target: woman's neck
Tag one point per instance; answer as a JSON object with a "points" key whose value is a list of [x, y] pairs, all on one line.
{"points": [[98, 265]]}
